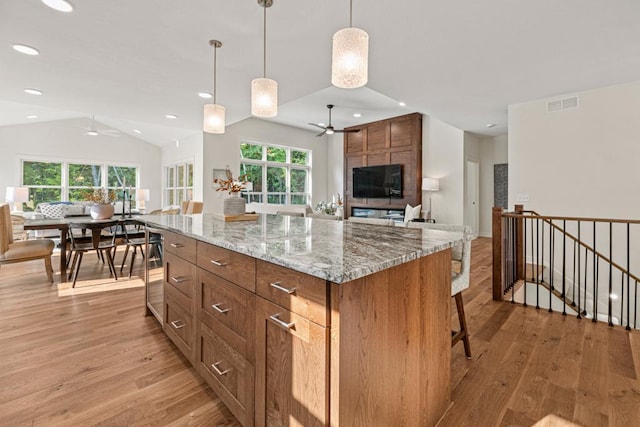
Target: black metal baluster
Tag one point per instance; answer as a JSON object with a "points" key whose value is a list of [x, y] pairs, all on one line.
{"points": [[551, 260], [578, 263], [586, 284], [595, 274], [610, 313], [524, 256], [564, 267], [628, 272], [538, 263]]}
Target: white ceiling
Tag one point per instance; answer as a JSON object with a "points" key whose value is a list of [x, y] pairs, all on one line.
{"points": [[461, 61]]}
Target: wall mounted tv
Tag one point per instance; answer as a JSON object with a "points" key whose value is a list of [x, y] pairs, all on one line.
{"points": [[378, 182]]}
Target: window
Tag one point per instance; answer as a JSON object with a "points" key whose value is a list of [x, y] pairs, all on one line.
{"points": [[280, 175], [178, 184], [70, 181]]}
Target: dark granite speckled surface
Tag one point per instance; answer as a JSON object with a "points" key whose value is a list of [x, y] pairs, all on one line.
{"points": [[333, 250]]}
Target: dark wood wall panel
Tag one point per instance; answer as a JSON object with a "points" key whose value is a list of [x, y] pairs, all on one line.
{"points": [[392, 141]]}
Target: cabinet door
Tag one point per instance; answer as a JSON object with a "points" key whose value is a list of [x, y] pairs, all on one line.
{"points": [[291, 368]]}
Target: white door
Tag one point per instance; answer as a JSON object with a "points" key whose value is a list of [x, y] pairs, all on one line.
{"points": [[472, 196]]}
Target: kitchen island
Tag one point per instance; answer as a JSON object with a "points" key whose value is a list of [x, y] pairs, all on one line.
{"points": [[296, 321]]}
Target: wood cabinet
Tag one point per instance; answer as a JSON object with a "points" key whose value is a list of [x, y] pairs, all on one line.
{"points": [[393, 141], [282, 348]]}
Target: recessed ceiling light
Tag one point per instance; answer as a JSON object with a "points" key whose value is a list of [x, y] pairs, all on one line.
{"points": [[27, 50], [357, 115], [59, 5], [491, 125], [31, 91], [205, 95], [32, 116], [92, 133], [177, 143], [402, 104], [138, 131], [171, 116]]}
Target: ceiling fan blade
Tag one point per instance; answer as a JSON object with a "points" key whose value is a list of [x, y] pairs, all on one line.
{"points": [[322, 133], [317, 125]]}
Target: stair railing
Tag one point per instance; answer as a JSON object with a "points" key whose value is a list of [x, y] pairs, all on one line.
{"points": [[559, 262]]}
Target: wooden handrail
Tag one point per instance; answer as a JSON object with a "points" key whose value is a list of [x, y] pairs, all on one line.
{"points": [[548, 220]]}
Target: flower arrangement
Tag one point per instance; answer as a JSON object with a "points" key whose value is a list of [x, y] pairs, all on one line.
{"points": [[100, 196], [326, 208], [229, 184]]}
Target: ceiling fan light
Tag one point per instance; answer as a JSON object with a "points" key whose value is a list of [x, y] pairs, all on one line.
{"points": [[214, 118], [349, 65], [264, 97], [329, 132]]}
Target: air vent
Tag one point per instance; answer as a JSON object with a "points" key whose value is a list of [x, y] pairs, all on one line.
{"points": [[562, 104]]}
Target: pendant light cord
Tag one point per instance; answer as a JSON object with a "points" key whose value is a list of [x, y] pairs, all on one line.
{"points": [[215, 90], [264, 40], [350, 13]]}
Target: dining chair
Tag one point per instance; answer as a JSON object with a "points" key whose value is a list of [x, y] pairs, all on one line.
{"points": [[460, 271], [184, 207], [17, 225], [26, 250], [195, 207], [102, 240], [134, 243]]}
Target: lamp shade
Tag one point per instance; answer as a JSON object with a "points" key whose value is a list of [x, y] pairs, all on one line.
{"points": [[143, 194], [17, 194], [264, 97], [214, 118], [430, 184], [350, 58]]}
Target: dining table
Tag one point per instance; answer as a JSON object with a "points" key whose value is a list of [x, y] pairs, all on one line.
{"points": [[62, 225]]}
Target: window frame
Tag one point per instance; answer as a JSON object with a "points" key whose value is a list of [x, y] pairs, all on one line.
{"points": [[287, 165], [186, 190]]}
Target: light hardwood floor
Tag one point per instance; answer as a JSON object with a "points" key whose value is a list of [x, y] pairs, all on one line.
{"points": [[92, 358]]}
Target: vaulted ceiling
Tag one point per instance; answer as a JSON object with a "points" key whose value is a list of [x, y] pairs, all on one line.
{"points": [[462, 61]]}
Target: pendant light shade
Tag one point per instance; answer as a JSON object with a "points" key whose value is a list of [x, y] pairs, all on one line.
{"points": [[264, 97], [214, 114], [264, 91], [214, 117], [350, 58]]}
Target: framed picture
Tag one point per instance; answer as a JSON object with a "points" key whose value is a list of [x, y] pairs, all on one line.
{"points": [[218, 174]]}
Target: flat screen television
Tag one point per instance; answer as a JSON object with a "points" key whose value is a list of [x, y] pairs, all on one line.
{"points": [[378, 182]]}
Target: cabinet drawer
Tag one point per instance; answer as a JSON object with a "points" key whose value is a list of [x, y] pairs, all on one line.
{"points": [[228, 310], [179, 322], [233, 266], [180, 274], [184, 247], [298, 292], [229, 374]]}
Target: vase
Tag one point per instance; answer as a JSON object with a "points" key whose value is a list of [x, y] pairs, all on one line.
{"points": [[234, 205], [102, 211]]}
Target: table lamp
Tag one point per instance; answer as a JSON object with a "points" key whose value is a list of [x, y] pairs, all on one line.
{"points": [[142, 195], [17, 196], [429, 185]]}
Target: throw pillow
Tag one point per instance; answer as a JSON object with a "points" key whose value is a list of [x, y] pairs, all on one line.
{"points": [[73, 210], [411, 212], [52, 211]]}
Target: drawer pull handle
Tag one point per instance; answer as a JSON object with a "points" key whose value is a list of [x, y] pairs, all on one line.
{"points": [[176, 245], [218, 371], [283, 325], [178, 324], [220, 310], [178, 279], [218, 263], [277, 286]]}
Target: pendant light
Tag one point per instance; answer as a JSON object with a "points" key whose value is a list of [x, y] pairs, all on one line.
{"points": [[350, 59], [264, 91], [214, 114]]}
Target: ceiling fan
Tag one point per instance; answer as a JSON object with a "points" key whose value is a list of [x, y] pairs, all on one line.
{"points": [[329, 130], [93, 131]]}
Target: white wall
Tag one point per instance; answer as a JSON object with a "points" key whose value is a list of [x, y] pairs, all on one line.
{"points": [[224, 149], [443, 158], [335, 164], [66, 140], [187, 150], [578, 162], [492, 151]]}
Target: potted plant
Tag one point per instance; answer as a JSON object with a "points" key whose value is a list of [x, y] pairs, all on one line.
{"points": [[233, 205], [102, 199]]}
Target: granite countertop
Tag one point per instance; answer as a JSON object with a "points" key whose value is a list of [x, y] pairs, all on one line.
{"points": [[338, 251]]}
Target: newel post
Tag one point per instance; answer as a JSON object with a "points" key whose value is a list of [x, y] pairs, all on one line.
{"points": [[520, 271], [498, 259]]}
